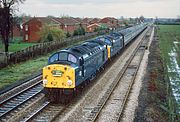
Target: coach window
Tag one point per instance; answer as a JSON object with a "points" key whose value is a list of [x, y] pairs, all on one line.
{"points": [[72, 58], [54, 58]]}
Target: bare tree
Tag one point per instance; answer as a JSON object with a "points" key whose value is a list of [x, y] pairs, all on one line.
{"points": [[6, 20], [141, 18], [178, 18]]}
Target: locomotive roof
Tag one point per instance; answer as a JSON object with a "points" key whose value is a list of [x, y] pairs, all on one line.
{"points": [[83, 49], [115, 34], [97, 41]]}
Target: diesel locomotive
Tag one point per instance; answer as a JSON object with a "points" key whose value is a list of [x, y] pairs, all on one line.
{"points": [[69, 69]]}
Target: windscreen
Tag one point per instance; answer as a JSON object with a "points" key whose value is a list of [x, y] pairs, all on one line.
{"points": [[63, 56]]}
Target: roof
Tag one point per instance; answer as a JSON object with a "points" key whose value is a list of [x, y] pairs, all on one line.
{"points": [[45, 20], [87, 20], [95, 20], [67, 21], [80, 20], [110, 18], [95, 24]]}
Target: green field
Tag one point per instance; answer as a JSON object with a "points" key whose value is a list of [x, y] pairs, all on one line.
{"points": [[170, 42], [170, 51]]}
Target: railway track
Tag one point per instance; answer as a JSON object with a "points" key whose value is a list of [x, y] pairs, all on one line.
{"points": [[5, 94], [115, 98], [47, 112], [18, 101]]}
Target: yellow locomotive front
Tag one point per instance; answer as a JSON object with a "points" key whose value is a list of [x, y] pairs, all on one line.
{"points": [[58, 76]]}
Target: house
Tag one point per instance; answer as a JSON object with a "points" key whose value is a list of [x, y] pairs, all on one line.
{"points": [[95, 20], [16, 31], [92, 27], [68, 24], [87, 20], [110, 21], [83, 24], [32, 28]]}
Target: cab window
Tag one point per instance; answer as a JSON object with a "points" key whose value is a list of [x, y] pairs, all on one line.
{"points": [[107, 41], [72, 58], [63, 56], [53, 58]]}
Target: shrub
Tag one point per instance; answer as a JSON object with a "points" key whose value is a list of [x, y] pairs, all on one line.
{"points": [[51, 33], [79, 31]]}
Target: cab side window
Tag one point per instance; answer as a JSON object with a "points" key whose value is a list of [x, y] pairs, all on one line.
{"points": [[108, 41], [72, 58], [53, 58]]}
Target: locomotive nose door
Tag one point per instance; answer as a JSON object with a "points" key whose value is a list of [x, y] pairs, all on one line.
{"points": [[82, 66]]}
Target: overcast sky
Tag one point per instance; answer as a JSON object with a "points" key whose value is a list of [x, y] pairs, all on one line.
{"points": [[102, 8]]}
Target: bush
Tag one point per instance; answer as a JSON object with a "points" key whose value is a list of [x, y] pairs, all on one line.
{"points": [[79, 31], [68, 34], [51, 33], [50, 37], [75, 33]]}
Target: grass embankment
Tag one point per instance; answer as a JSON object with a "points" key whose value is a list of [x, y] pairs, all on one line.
{"points": [[169, 36], [16, 72]]}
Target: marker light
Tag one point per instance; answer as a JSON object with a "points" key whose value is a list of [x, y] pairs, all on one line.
{"points": [[45, 81], [69, 82]]}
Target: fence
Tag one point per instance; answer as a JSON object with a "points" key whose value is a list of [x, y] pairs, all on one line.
{"points": [[40, 49]]}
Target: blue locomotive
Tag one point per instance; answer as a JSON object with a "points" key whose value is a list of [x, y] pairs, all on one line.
{"points": [[70, 68]]}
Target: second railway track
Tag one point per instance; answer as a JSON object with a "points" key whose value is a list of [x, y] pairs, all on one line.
{"points": [[115, 98], [10, 106]]}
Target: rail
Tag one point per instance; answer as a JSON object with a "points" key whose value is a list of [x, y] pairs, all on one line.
{"points": [[97, 110], [13, 102]]}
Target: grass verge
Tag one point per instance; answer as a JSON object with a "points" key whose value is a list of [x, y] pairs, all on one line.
{"points": [[16, 72]]}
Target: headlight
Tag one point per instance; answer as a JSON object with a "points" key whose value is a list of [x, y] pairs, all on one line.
{"points": [[45, 81], [69, 82]]}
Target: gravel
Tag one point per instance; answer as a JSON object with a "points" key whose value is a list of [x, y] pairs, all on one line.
{"points": [[132, 104], [83, 107]]}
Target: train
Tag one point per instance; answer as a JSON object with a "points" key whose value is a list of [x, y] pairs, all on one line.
{"points": [[71, 68]]}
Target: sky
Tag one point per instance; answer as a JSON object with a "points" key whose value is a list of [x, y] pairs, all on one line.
{"points": [[102, 8]]}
